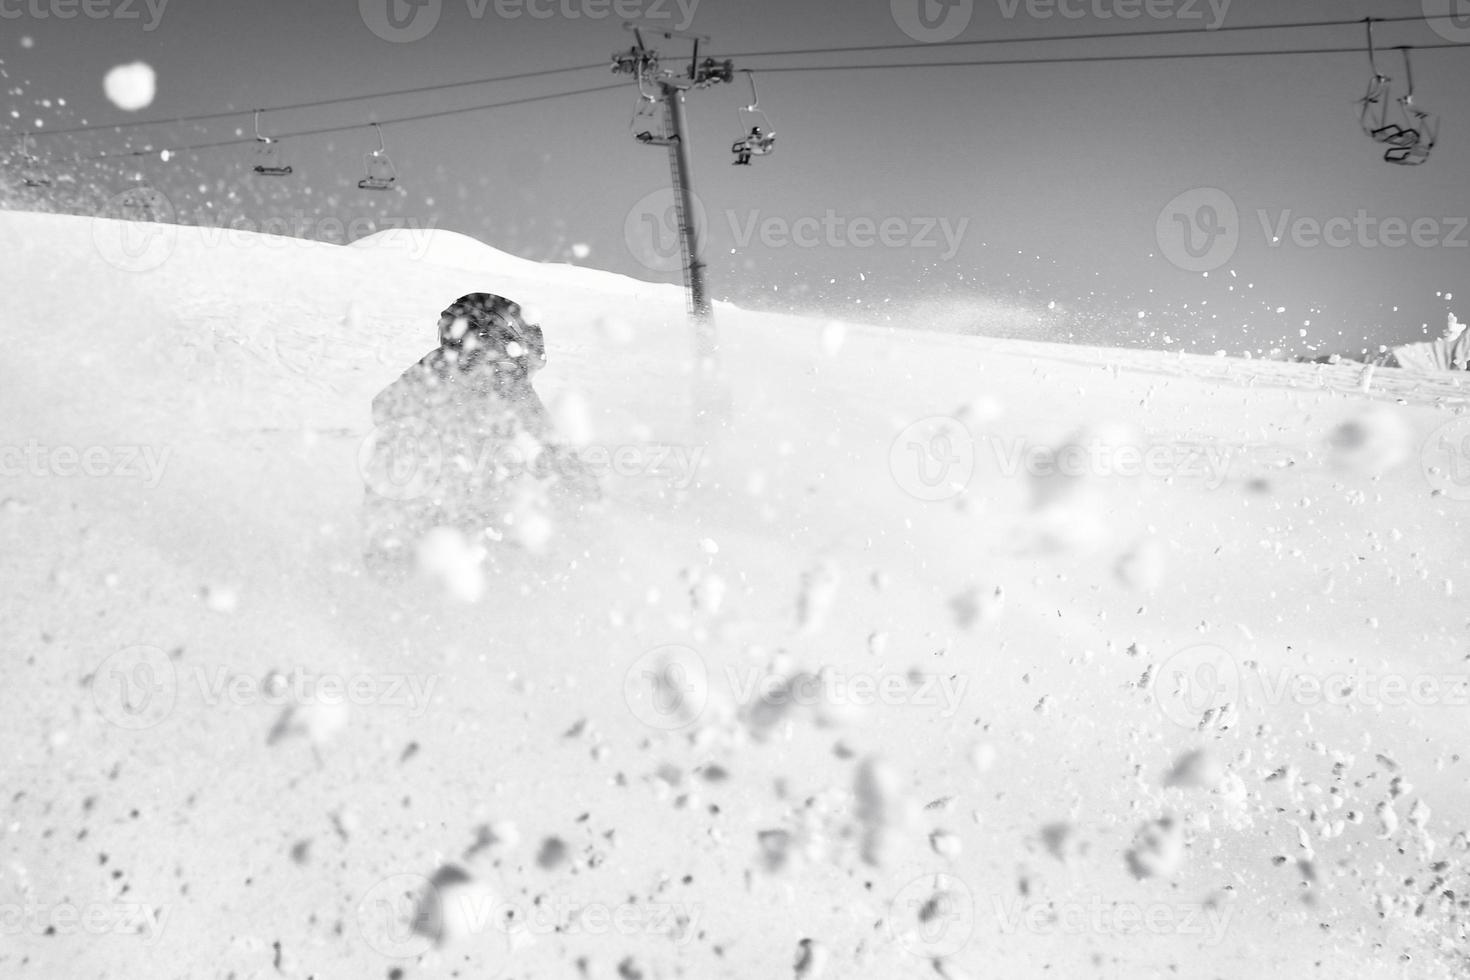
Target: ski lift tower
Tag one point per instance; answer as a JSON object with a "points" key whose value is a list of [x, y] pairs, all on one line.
{"points": [[642, 62]]}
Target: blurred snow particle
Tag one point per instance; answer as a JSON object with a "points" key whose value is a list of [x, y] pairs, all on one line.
{"points": [[553, 853], [532, 529], [945, 844], [1388, 820], [1372, 442], [572, 417], [949, 971], [1141, 568], [811, 960], [1195, 770], [496, 838], [776, 848], [1158, 849], [982, 756], [317, 720], [706, 592], [580, 250], [454, 563], [130, 87], [977, 605], [878, 808], [221, 599], [1060, 841], [818, 590], [980, 409], [452, 907], [834, 335], [27, 42]]}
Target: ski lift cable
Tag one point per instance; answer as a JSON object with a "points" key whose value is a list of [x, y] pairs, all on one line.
{"points": [[322, 130], [1098, 36], [1092, 59], [312, 104], [340, 100]]}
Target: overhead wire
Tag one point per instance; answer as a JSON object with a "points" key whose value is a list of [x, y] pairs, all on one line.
{"points": [[321, 130], [311, 104]]}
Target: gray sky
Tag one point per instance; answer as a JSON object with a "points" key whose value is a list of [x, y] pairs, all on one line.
{"points": [[1041, 182]]}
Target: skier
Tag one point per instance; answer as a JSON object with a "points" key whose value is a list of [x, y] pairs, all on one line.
{"points": [[463, 440], [759, 142], [745, 146]]}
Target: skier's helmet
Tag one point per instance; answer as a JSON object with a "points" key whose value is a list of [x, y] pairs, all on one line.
{"points": [[483, 326]]}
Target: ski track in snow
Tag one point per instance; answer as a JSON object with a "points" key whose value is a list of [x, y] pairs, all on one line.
{"points": [[963, 837]]}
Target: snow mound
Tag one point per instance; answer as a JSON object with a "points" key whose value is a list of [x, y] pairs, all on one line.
{"points": [[451, 250]]}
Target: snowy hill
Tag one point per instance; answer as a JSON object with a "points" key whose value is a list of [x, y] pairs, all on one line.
{"points": [[939, 708], [451, 250]]}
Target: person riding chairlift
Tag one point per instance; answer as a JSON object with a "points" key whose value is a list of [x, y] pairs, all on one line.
{"points": [[758, 142]]}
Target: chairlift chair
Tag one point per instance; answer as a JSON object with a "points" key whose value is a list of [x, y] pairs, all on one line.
{"points": [[268, 162], [1374, 106], [649, 125], [760, 140], [1420, 130], [381, 174]]}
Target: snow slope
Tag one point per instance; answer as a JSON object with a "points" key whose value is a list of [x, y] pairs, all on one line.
{"points": [[1006, 687]]}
